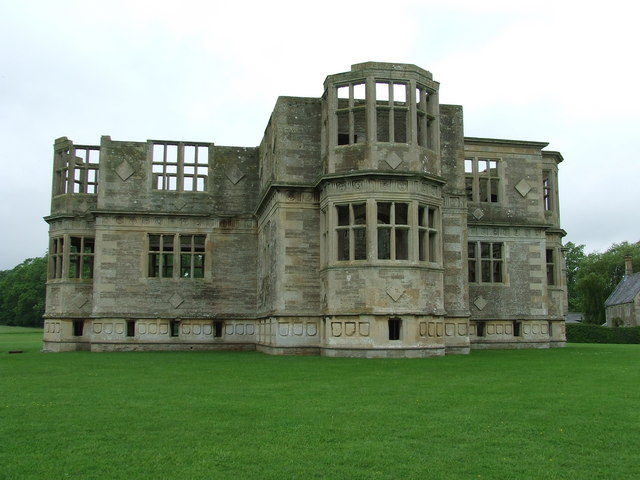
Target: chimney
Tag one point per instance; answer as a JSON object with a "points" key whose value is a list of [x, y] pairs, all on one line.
{"points": [[628, 265]]}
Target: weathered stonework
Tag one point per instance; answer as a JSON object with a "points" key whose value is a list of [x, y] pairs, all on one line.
{"points": [[365, 224]]}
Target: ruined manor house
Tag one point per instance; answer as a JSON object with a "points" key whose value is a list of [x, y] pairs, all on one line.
{"points": [[365, 224]]}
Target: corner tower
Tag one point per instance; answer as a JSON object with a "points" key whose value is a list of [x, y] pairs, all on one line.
{"points": [[381, 199]]}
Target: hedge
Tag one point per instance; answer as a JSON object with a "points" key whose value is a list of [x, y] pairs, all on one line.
{"points": [[585, 333]]}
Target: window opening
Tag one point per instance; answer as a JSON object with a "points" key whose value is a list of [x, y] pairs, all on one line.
{"points": [[351, 231], [394, 328], [78, 328], [547, 190], [425, 102], [392, 112], [516, 329], [81, 253], [485, 262], [551, 329], [480, 329], [192, 256], [175, 328], [180, 167], [56, 254], [161, 256], [551, 277], [482, 180], [350, 114], [427, 234], [393, 231], [78, 171], [217, 329], [131, 328]]}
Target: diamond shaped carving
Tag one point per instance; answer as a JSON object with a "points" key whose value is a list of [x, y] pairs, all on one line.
{"points": [[523, 187], [395, 292], [80, 300], [124, 170], [176, 300], [234, 174], [477, 213], [393, 160], [480, 303], [180, 204]]}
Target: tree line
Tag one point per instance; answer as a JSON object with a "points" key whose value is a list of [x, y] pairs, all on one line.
{"points": [[592, 277], [590, 280], [22, 293]]}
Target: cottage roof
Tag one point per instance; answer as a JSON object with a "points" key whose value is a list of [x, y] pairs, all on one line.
{"points": [[626, 290]]}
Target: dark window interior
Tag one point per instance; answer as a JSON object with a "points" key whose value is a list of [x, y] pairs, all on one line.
{"points": [[394, 328]]}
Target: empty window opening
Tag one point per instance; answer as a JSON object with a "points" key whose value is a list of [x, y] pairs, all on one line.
{"points": [[426, 115], [81, 253], [78, 328], [393, 230], [161, 256], [516, 329], [394, 328], [217, 329], [480, 329], [179, 166], [351, 231], [485, 262], [551, 268], [131, 328], [77, 170], [482, 180], [56, 254], [392, 112], [350, 114], [175, 328], [547, 190], [192, 256], [551, 329], [427, 234]]}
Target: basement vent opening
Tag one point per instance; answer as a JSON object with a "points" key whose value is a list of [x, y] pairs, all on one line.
{"points": [[394, 328]]}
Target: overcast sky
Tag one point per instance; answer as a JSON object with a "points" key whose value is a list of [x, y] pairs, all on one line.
{"points": [[562, 72]]}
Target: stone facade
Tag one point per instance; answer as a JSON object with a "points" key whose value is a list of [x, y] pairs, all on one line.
{"points": [[365, 224]]}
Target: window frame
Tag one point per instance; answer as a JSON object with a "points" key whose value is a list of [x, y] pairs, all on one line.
{"points": [[551, 266], [350, 229], [475, 178], [162, 168], [394, 229], [83, 257], [476, 259], [76, 173], [548, 200], [176, 254], [428, 233], [62, 258], [353, 108]]}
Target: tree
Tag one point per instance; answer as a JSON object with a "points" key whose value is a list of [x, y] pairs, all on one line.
{"points": [[597, 276], [574, 255], [22, 293]]}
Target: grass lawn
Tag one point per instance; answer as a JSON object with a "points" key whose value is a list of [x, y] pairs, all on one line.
{"points": [[571, 413]]}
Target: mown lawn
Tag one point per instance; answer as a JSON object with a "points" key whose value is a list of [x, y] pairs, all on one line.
{"points": [[570, 413]]}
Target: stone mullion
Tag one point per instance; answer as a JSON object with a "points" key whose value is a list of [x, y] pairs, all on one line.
{"points": [[392, 115], [414, 234]]}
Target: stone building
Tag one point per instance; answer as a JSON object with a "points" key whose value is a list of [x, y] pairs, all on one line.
{"points": [[364, 224], [622, 308]]}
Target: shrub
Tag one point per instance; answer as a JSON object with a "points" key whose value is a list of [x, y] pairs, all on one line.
{"points": [[584, 333]]}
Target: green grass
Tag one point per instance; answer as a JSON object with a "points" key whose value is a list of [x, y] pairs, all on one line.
{"points": [[570, 413]]}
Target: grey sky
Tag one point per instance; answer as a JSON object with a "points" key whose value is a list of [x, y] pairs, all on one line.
{"points": [[562, 72]]}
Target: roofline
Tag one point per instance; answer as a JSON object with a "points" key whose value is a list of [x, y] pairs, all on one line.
{"points": [[505, 142], [552, 153]]}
